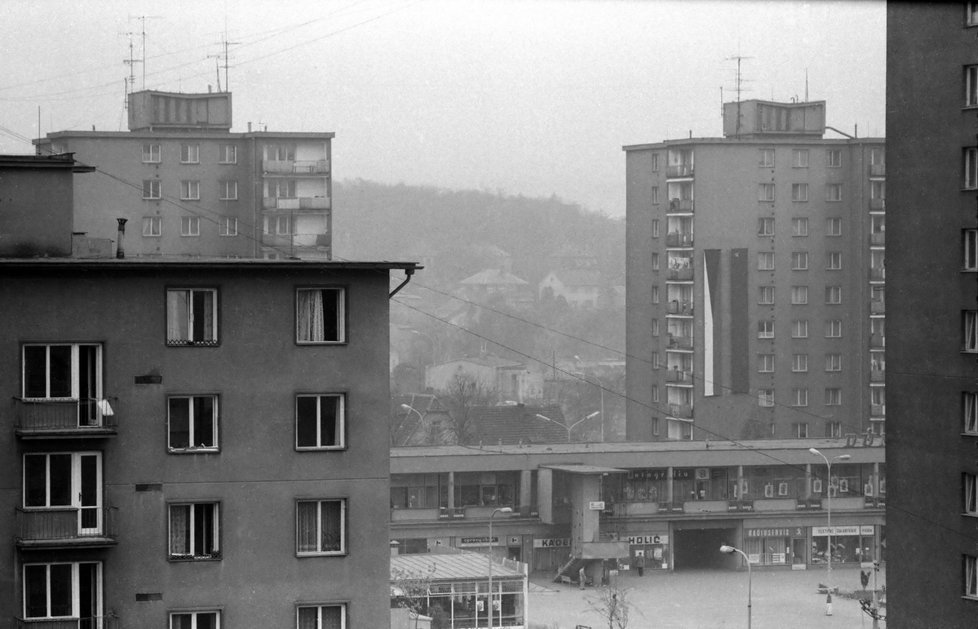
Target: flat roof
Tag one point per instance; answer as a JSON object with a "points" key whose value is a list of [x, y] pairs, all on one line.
{"points": [[452, 567], [203, 262], [205, 133], [771, 140], [585, 469]]}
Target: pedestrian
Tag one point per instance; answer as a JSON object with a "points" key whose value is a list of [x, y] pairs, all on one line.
{"points": [[640, 564], [581, 577]]}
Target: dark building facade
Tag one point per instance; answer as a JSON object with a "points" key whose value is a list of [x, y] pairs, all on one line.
{"points": [[932, 120]]}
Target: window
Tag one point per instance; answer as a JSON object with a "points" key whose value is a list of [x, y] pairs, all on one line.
{"points": [[655, 360], [833, 192], [192, 423], [319, 422], [655, 327], [280, 225], [799, 158], [655, 393], [970, 86], [765, 261], [655, 261], [970, 332], [195, 620], [799, 260], [195, 531], [799, 397], [229, 154], [765, 226], [971, 13], [655, 162], [833, 294], [971, 168], [320, 527], [320, 316], [877, 190], [655, 228], [66, 481], [765, 397], [834, 261], [229, 226], [800, 430], [970, 576], [655, 294], [765, 192], [765, 329], [229, 190], [833, 158], [152, 154], [765, 295], [799, 227], [655, 195], [799, 295], [280, 188], [152, 189], [799, 192], [765, 363], [833, 329], [152, 226], [191, 316], [190, 226], [970, 493], [64, 371], [970, 407], [799, 363], [833, 429], [833, 362], [970, 245], [280, 152], [799, 329], [190, 190], [833, 396], [62, 590], [766, 158], [833, 226], [189, 153], [321, 617]]}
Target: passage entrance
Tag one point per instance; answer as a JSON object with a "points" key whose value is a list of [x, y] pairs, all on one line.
{"points": [[700, 548]]}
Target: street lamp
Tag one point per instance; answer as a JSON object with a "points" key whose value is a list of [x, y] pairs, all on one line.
{"points": [[828, 509], [729, 550], [409, 409], [494, 512], [572, 426]]}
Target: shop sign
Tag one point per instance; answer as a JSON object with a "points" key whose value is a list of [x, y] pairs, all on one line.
{"points": [[478, 541], [838, 531], [552, 542], [645, 540], [596, 505], [795, 531], [682, 474]]}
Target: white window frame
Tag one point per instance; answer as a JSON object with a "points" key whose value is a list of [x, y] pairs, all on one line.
{"points": [[765, 329], [969, 240], [833, 430], [833, 261], [833, 361], [765, 226], [833, 396], [833, 294], [152, 189], [799, 260], [194, 614], [74, 370], [190, 153], [229, 190], [799, 363], [193, 424], [833, 192], [799, 192], [799, 227], [74, 596], [190, 190], [765, 398], [800, 430], [193, 313], [319, 440], [833, 158], [228, 226], [970, 494], [969, 321], [971, 86], [316, 548], [229, 154], [833, 226], [969, 408], [152, 153], [655, 294], [799, 295], [655, 195], [210, 541], [765, 192], [655, 162], [970, 576], [765, 294], [655, 228], [833, 328], [799, 329], [655, 261], [319, 614], [152, 226], [765, 260], [280, 188], [765, 363], [970, 168], [799, 158], [799, 397], [765, 158], [971, 13], [332, 331], [190, 226]]}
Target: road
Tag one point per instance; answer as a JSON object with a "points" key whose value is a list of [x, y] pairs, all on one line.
{"points": [[709, 599]]}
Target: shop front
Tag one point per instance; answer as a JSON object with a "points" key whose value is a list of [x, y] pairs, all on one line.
{"points": [[648, 551], [776, 545], [849, 543], [550, 553]]}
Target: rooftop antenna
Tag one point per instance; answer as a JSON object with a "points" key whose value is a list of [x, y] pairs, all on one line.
{"points": [[225, 44], [142, 19], [738, 85], [131, 62], [806, 85]]}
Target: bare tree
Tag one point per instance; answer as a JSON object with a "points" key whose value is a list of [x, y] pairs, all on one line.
{"points": [[465, 392], [612, 604], [411, 589]]}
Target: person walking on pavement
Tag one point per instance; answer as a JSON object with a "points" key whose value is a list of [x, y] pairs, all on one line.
{"points": [[581, 577]]}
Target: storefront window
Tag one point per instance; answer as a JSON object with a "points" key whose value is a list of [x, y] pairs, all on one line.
{"points": [[486, 489], [419, 491]]}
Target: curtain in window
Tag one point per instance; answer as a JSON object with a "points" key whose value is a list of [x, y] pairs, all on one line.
{"points": [[333, 617], [970, 331], [177, 315], [203, 303], [307, 527], [308, 618], [180, 530], [179, 417], [332, 523], [327, 420], [310, 314]]}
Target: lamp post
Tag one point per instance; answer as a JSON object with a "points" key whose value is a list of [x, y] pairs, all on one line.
{"points": [[729, 550], [494, 512], [409, 409], [828, 510], [572, 426]]}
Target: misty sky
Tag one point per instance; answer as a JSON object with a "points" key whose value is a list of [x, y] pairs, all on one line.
{"points": [[529, 97]]}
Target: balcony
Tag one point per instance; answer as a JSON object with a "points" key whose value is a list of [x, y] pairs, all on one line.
{"points": [[681, 411], [877, 341], [280, 203], [680, 342], [877, 410], [877, 307], [679, 239], [877, 375], [877, 170], [314, 203], [680, 206], [95, 622], [877, 239], [675, 376], [679, 170], [680, 275], [684, 308], [46, 419], [288, 167], [70, 527], [877, 274], [877, 204]]}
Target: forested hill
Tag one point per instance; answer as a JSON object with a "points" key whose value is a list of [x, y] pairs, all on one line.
{"points": [[455, 230]]}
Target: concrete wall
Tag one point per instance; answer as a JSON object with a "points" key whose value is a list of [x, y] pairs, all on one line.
{"points": [[36, 215]]}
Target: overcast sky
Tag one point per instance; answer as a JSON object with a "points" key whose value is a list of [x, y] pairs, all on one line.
{"points": [[529, 97]]}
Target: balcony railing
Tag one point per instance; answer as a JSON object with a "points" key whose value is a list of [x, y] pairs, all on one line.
{"points": [[313, 203], [877, 238], [877, 204], [877, 375], [877, 306], [680, 308], [680, 170], [684, 274], [877, 274], [48, 528], [682, 377], [679, 239], [877, 341], [877, 410], [93, 622], [877, 170], [680, 342], [680, 206], [295, 167], [682, 411], [88, 417]]}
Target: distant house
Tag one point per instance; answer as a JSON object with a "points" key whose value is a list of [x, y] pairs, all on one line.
{"points": [[505, 380], [511, 425], [581, 288], [420, 419], [489, 283]]}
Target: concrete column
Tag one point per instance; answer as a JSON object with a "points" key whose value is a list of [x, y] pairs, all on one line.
{"points": [[526, 491], [669, 484], [808, 478], [740, 482], [451, 490]]}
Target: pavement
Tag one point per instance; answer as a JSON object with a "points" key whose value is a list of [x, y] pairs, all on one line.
{"points": [[708, 599]]}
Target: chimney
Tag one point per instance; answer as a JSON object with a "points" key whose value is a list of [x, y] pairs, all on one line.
{"points": [[120, 252], [249, 126]]}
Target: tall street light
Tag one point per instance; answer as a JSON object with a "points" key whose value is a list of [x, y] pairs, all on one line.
{"points": [[494, 512], [410, 409], [729, 550], [572, 426], [828, 509]]}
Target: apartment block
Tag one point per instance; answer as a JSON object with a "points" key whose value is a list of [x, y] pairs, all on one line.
{"points": [[189, 186], [932, 118], [755, 280]]}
